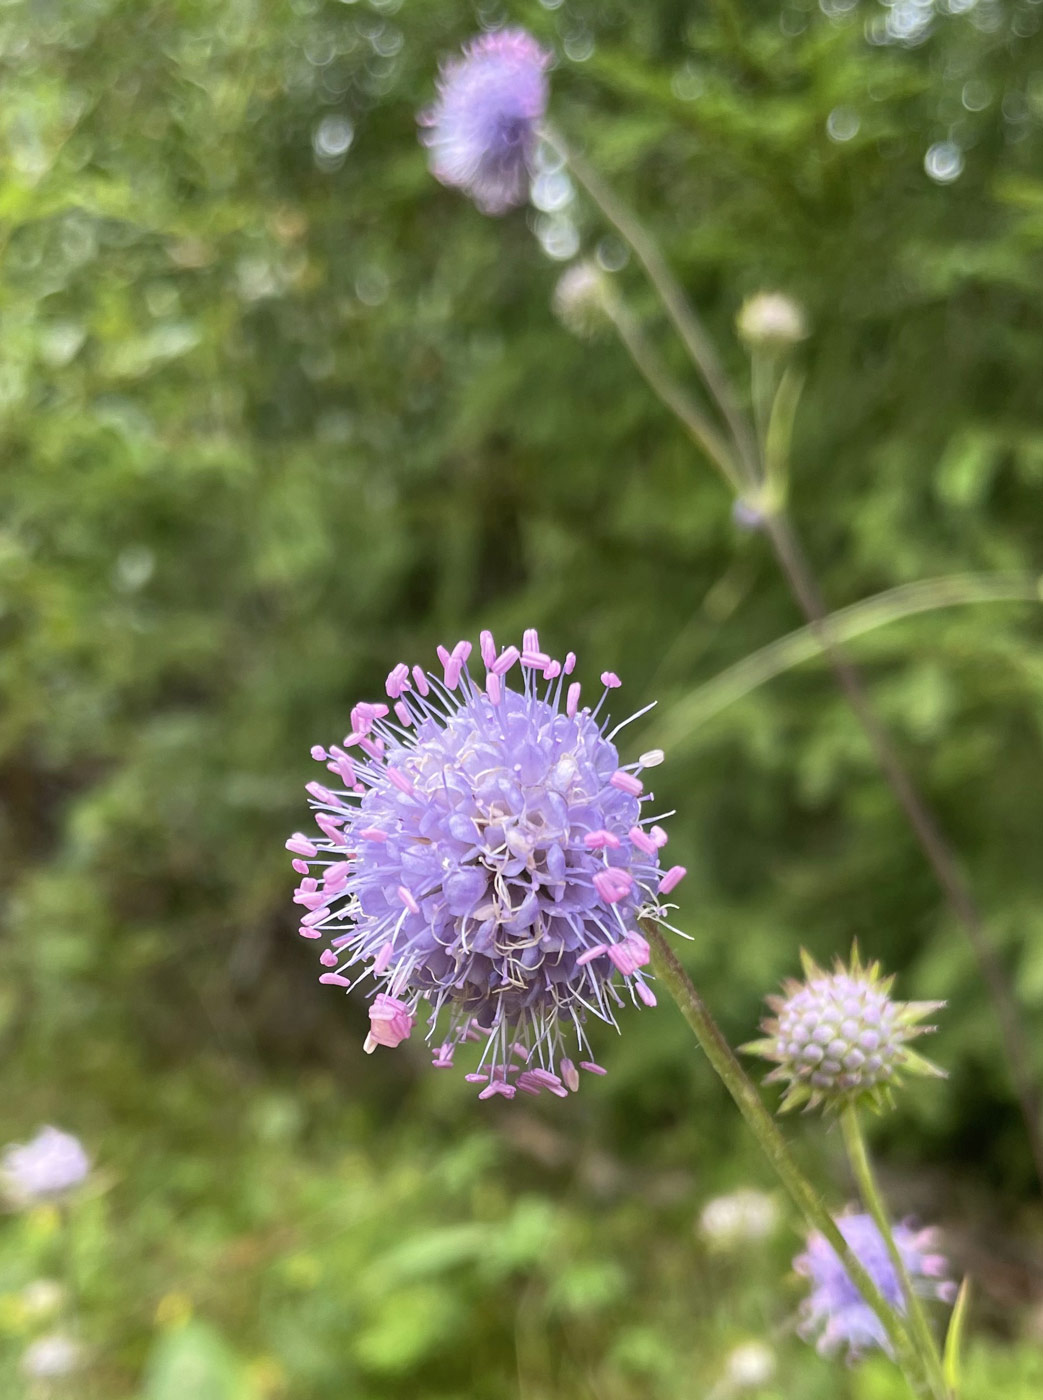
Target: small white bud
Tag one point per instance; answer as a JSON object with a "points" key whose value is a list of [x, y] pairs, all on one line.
{"points": [[772, 321], [581, 299], [750, 1366]]}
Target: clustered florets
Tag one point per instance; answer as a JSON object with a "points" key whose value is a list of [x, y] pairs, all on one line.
{"points": [[838, 1036], [485, 860], [836, 1313], [483, 129]]}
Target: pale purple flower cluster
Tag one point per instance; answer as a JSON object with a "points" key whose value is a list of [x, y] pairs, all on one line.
{"points": [[50, 1165], [835, 1311], [482, 130], [484, 860]]}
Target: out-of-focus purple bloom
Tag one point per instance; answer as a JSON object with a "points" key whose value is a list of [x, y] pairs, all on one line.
{"points": [[835, 1313], [484, 861], [51, 1164], [482, 130]]}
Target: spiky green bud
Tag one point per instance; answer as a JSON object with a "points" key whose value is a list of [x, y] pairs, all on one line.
{"points": [[839, 1037]]}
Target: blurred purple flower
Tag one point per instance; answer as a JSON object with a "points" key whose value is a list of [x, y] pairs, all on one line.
{"points": [[485, 860], [836, 1312], [482, 130], [51, 1164]]}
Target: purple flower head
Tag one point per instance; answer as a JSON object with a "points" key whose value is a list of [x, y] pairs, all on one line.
{"points": [[53, 1163], [482, 130], [839, 1036], [836, 1313], [483, 863]]}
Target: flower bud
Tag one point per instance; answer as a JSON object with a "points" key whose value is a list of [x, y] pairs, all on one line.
{"points": [[838, 1036], [581, 300], [771, 321]]}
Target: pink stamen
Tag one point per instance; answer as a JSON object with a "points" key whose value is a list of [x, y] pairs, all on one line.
{"points": [[592, 1068], [626, 782], [398, 779], [630, 954], [320, 793], [476, 1078], [390, 1022], [497, 1086], [403, 713], [570, 663], [309, 932], [420, 680], [316, 916], [453, 671], [487, 648], [334, 979], [505, 661], [318, 753], [530, 639], [383, 959], [588, 957], [642, 840], [329, 826], [398, 681], [610, 680], [553, 671], [572, 699], [645, 992], [301, 866], [373, 833], [522, 1051], [374, 747], [493, 688], [462, 651], [408, 899], [301, 846], [613, 885], [659, 836], [597, 840], [535, 660], [569, 1074], [328, 958], [444, 656], [672, 878]]}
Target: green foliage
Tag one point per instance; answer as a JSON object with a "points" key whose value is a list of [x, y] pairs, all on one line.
{"points": [[271, 420]]}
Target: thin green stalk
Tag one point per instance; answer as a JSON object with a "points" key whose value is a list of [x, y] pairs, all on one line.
{"points": [[858, 1156], [774, 1146], [677, 306], [667, 389]]}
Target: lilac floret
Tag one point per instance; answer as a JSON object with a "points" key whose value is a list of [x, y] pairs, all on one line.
{"points": [[50, 1165], [836, 1313], [483, 863], [482, 130]]}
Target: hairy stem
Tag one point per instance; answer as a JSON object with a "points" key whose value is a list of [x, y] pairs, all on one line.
{"points": [[774, 1146], [858, 1156]]}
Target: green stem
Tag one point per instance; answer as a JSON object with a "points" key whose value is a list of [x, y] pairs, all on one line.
{"points": [[670, 393], [774, 1146], [677, 306], [858, 1156]]}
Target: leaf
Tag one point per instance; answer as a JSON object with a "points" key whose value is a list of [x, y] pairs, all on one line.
{"points": [[954, 1338], [194, 1361]]}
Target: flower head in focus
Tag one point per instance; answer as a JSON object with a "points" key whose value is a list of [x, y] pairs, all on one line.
{"points": [[50, 1165], [484, 862], [482, 130], [838, 1037], [836, 1313]]}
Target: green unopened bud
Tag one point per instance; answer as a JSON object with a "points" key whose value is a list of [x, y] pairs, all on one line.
{"points": [[771, 321], [838, 1037]]}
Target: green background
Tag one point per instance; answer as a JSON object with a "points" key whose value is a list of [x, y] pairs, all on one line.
{"points": [[273, 419]]}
